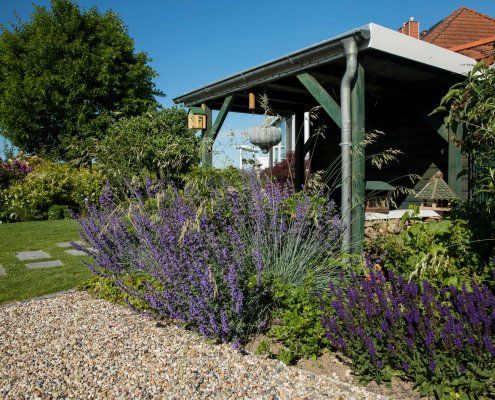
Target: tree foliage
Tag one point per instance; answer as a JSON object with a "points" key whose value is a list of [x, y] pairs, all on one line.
{"points": [[156, 143], [471, 103], [66, 75]]}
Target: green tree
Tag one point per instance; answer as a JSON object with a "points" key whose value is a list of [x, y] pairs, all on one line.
{"points": [[66, 76], [156, 144]]}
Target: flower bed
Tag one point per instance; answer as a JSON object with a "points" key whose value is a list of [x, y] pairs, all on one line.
{"points": [[444, 340]]}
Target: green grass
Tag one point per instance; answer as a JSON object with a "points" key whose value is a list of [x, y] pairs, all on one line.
{"points": [[22, 283]]}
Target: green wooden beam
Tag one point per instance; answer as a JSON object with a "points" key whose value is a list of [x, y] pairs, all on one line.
{"points": [[455, 163], [358, 157], [219, 120], [206, 145], [210, 134], [321, 95]]}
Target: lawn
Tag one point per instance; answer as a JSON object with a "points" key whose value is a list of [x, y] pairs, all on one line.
{"points": [[22, 283]]}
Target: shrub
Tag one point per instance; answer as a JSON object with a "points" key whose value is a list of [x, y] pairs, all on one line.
{"points": [[51, 184], [155, 144], [11, 171], [212, 255], [442, 339], [297, 321], [58, 212], [285, 171], [206, 179], [439, 251]]}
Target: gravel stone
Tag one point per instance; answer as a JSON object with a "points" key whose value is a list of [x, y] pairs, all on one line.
{"points": [[2, 271], [73, 346]]}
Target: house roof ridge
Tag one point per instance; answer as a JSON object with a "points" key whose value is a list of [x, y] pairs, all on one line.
{"points": [[436, 30], [464, 31], [479, 13]]}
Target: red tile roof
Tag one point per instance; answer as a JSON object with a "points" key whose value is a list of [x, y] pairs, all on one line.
{"points": [[461, 27]]}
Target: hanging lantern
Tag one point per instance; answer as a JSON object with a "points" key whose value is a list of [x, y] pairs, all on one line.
{"points": [[265, 137]]}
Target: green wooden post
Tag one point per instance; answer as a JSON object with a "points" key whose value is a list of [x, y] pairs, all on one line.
{"points": [[358, 157], [206, 146], [210, 134], [321, 95], [455, 163], [299, 151]]}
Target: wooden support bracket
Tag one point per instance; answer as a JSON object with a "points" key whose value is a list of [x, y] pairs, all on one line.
{"points": [[210, 134], [321, 95]]}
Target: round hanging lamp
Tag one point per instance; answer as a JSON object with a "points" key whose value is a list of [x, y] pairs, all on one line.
{"points": [[265, 137]]}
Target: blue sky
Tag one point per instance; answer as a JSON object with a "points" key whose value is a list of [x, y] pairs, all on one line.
{"points": [[194, 42]]}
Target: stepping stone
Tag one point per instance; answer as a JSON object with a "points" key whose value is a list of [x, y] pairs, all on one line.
{"points": [[74, 252], [68, 244], [2, 271], [45, 264], [63, 244], [32, 255]]}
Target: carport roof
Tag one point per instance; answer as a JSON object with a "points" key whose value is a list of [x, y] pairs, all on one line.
{"points": [[391, 61]]}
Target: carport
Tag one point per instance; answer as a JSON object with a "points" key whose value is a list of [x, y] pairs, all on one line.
{"points": [[365, 79]]}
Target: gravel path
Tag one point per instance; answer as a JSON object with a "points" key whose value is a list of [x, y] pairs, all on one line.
{"points": [[76, 347]]}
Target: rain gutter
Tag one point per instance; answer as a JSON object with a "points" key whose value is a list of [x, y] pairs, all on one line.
{"points": [[290, 64]]}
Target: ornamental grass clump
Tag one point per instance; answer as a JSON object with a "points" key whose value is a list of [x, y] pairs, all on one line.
{"points": [[200, 258], [443, 339]]}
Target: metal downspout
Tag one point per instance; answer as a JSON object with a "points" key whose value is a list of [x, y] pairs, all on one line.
{"points": [[351, 51]]}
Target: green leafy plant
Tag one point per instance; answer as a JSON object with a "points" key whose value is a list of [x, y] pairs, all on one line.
{"points": [[58, 212], [106, 288], [470, 104], [287, 356], [263, 347], [155, 144], [51, 184], [296, 323], [439, 251]]}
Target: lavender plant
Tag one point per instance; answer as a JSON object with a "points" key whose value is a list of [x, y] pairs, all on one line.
{"points": [[443, 339], [205, 259]]}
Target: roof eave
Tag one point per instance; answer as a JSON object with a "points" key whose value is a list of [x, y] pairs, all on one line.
{"points": [[289, 64], [400, 45], [370, 36]]}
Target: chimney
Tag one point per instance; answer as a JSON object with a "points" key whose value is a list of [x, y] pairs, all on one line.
{"points": [[410, 28]]}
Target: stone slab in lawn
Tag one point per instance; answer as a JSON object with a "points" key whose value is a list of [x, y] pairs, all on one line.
{"points": [[2, 271], [45, 264], [74, 252], [68, 244], [32, 255]]}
